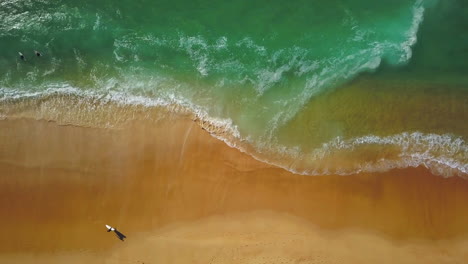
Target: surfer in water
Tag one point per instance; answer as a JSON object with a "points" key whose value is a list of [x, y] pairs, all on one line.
{"points": [[119, 235], [21, 56], [38, 54]]}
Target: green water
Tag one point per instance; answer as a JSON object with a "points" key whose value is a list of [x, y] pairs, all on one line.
{"points": [[305, 78]]}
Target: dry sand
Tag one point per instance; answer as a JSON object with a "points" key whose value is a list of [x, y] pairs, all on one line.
{"points": [[182, 196]]}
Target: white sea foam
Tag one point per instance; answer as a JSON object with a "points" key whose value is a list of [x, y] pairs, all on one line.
{"points": [[296, 62], [221, 43], [411, 34], [198, 50], [444, 155], [79, 59], [97, 24], [250, 44], [171, 100]]}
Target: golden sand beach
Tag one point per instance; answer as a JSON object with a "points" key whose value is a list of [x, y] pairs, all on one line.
{"points": [[182, 196]]}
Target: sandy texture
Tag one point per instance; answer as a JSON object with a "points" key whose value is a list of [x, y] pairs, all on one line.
{"points": [[182, 196]]}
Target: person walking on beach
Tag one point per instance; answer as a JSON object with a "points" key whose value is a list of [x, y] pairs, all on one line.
{"points": [[119, 235]]}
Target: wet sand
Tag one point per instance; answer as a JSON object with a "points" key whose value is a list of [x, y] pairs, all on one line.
{"points": [[182, 196]]}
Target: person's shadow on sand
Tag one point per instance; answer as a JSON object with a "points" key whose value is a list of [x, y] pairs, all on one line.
{"points": [[119, 235]]}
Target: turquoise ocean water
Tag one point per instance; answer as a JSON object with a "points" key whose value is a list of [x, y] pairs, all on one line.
{"points": [[315, 87]]}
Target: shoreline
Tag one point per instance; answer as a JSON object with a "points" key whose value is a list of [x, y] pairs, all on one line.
{"points": [[443, 153], [69, 181]]}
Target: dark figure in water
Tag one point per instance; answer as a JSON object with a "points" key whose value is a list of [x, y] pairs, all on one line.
{"points": [[119, 235], [38, 54], [21, 56]]}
